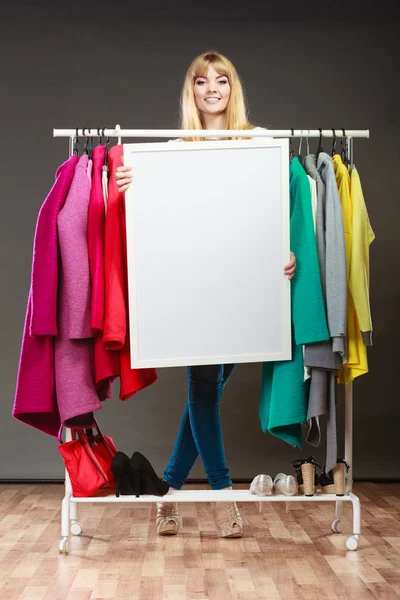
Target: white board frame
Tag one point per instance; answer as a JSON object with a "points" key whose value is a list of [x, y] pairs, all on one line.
{"points": [[208, 146]]}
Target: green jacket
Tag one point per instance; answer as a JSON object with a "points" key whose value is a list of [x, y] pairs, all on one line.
{"points": [[284, 397]]}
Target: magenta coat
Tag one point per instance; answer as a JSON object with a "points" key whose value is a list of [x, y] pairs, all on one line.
{"points": [[35, 399]]}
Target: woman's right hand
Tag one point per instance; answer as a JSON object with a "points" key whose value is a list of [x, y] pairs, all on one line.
{"points": [[123, 176]]}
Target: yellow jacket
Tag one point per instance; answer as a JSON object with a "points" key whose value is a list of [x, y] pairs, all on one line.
{"points": [[363, 236], [358, 236]]}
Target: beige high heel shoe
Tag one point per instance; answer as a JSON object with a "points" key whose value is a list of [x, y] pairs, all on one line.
{"points": [[167, 521], [227, 515]]}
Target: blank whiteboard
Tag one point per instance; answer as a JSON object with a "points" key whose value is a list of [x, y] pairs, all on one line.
{"points": [[207, 239]]}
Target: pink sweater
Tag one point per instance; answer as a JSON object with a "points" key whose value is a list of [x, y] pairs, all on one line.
{"points": [[35, 400], [74, 370]]}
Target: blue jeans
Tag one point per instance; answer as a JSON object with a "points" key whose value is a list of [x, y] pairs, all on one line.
{"points": [[200, 430]]}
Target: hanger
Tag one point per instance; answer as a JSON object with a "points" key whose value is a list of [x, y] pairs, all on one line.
{"points": [[90, 149], [99, 136], [343, 151], [86, 145], [320, 148], [105, 164], [291, 149], [301, 143], [334, 143], [76, 142]]}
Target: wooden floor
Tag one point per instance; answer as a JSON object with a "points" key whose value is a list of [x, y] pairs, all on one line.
{"points": [[120, 556]]}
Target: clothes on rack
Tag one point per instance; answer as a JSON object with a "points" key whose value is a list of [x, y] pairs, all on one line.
{"points": [[284, 394], [35, 399], [359, 237], [336, 226], [66, 369], [326, 358], [106, 363], [327, 341], [76, 393], [116, 321], [76, 333], [363, 236]]}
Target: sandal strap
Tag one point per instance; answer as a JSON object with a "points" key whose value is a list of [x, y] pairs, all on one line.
{"points": [[301, 461]]}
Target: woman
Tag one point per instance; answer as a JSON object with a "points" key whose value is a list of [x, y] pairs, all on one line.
{"points": [[211, 98]]}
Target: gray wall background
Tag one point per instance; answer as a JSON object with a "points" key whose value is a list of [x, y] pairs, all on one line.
{"points": [[68, 65]]}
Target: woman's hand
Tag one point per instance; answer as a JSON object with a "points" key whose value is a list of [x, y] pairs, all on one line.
{"points": [[291, 267], [123, 176]]}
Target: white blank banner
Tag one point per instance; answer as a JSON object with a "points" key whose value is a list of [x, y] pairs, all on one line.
{"points": [[207, 240]]}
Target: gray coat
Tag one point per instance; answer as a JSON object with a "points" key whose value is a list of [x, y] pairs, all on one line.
{"points": [[332, 264], [326, 358]]}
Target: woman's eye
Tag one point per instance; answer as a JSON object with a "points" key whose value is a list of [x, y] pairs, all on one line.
{"points": [[200, 81]]}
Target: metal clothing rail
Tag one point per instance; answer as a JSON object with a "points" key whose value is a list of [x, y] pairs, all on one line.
{"points": [[131, 133], [69, 511]]}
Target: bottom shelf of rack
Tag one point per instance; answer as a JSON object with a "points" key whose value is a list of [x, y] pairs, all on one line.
{"points": [[213, 496]]}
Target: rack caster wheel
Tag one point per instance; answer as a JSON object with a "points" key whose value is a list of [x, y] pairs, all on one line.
{"points": [[352, 542], [76, 528], [336, 526], [63, 546]]}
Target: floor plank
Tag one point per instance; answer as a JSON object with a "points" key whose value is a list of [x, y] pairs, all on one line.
{"points": [[119, 555]]}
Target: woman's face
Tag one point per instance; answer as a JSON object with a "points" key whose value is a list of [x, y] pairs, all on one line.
{"points": [[212, 92]]}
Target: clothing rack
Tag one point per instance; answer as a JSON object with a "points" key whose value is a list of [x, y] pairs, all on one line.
{"points": [[69, 511]]}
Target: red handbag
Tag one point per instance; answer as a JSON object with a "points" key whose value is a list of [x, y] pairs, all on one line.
{"points": [[88, 461]]}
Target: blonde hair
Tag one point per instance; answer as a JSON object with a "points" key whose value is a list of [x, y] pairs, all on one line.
{"points": [[236, 111]]}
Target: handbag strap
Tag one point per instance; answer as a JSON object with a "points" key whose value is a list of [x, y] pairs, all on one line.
{"points": [[85, 436], [89, 451], [89, 434], [103, 439]]}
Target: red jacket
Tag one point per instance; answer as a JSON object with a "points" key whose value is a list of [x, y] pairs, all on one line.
{"points": [[116, 325], [106, 363]]}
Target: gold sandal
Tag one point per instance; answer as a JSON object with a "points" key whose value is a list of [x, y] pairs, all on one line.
{"points": [[167, 521], [227, 515]]}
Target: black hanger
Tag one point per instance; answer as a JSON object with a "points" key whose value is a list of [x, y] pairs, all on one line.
{"points": [[291, 149], [343, 151], [105, 164], [99, 136], [334, 143], [90, 153], [76, 142], [86, 146], [320, 148]]}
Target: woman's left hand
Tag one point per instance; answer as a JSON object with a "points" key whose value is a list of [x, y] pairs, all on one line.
{"points": [[291, 267]]}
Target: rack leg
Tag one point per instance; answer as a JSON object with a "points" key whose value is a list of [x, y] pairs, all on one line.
{"points": [[336, 525], [73, 511], [63, 545], [339, 509], [65, 516], [348, 442], [352, 542], [67, 511]]}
